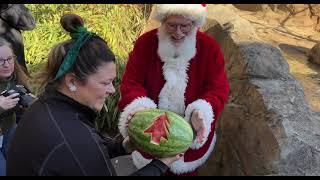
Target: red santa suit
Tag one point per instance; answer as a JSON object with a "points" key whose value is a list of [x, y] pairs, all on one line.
{"points": [[179, 79]]}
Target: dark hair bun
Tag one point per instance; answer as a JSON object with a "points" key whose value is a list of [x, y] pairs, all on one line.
{"points": [[70, 22]]}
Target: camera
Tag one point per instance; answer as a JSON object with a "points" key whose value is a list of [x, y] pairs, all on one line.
{"points": [[25, 99]]}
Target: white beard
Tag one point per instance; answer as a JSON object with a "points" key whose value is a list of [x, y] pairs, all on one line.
{"points": [[176, 60], [167, 50]]}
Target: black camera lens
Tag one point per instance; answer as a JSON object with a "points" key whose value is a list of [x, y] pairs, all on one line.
{"points": [[25, 99]]}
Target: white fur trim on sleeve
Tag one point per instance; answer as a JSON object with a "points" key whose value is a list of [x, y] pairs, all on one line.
{"points": [[140, 101], [207, 111]]}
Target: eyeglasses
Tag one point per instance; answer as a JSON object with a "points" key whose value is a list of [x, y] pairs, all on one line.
{"points": [[10, 60], [172, 27]]}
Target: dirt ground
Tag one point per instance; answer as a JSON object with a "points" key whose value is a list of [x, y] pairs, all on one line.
{"points": [[294, 36]]}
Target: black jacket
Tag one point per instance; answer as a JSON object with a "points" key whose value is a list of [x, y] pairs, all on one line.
{"points": [[56, 136], [13, 19]]}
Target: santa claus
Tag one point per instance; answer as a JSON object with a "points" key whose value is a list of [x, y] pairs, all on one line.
{"points": [[178, 68]]}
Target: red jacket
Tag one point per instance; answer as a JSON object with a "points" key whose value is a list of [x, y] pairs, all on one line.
{"points": [[199, 83]]}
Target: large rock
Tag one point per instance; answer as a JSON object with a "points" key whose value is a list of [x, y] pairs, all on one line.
{"points": [[230, 22], [267, 127], [314, 54]]}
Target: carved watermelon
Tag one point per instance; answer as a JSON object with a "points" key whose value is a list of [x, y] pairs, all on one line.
{"points": [[160, 133]]}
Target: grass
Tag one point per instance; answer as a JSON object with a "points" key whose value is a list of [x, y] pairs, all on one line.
{"points": [[118, 24]]}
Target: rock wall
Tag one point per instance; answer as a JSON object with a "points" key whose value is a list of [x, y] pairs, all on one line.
{"points": [[267, 127]]}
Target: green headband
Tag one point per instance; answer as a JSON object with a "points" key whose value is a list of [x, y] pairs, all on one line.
{"points": [[81, 35]]}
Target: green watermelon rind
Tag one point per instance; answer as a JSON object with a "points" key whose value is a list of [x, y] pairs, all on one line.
{"points": [[180, 138]]}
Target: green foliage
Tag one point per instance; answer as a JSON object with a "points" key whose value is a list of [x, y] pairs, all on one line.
{"points": [[118, 24]]}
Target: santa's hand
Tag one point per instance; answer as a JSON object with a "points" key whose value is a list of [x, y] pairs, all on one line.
{"points": [[131, 114], [197, 122]]}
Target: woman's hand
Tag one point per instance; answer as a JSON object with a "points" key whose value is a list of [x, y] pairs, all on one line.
{"points": [[9, 102], [169, 160], [198, 124], [127, 145]]}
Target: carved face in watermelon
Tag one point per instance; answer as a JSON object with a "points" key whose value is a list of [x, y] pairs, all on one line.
{"points": [[159, 129], [160, 133]]}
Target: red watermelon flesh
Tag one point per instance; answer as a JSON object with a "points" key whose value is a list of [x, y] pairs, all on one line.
{"points": [[159, 129]]}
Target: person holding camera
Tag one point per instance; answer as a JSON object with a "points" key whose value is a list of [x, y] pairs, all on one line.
{"points": [[57, 136], [11, 75], [15, 18]]}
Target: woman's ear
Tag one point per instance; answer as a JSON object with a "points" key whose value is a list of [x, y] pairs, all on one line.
{"points": [[70, 80]]}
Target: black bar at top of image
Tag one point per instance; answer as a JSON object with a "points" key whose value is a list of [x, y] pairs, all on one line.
{"points": [[161, 1]]}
